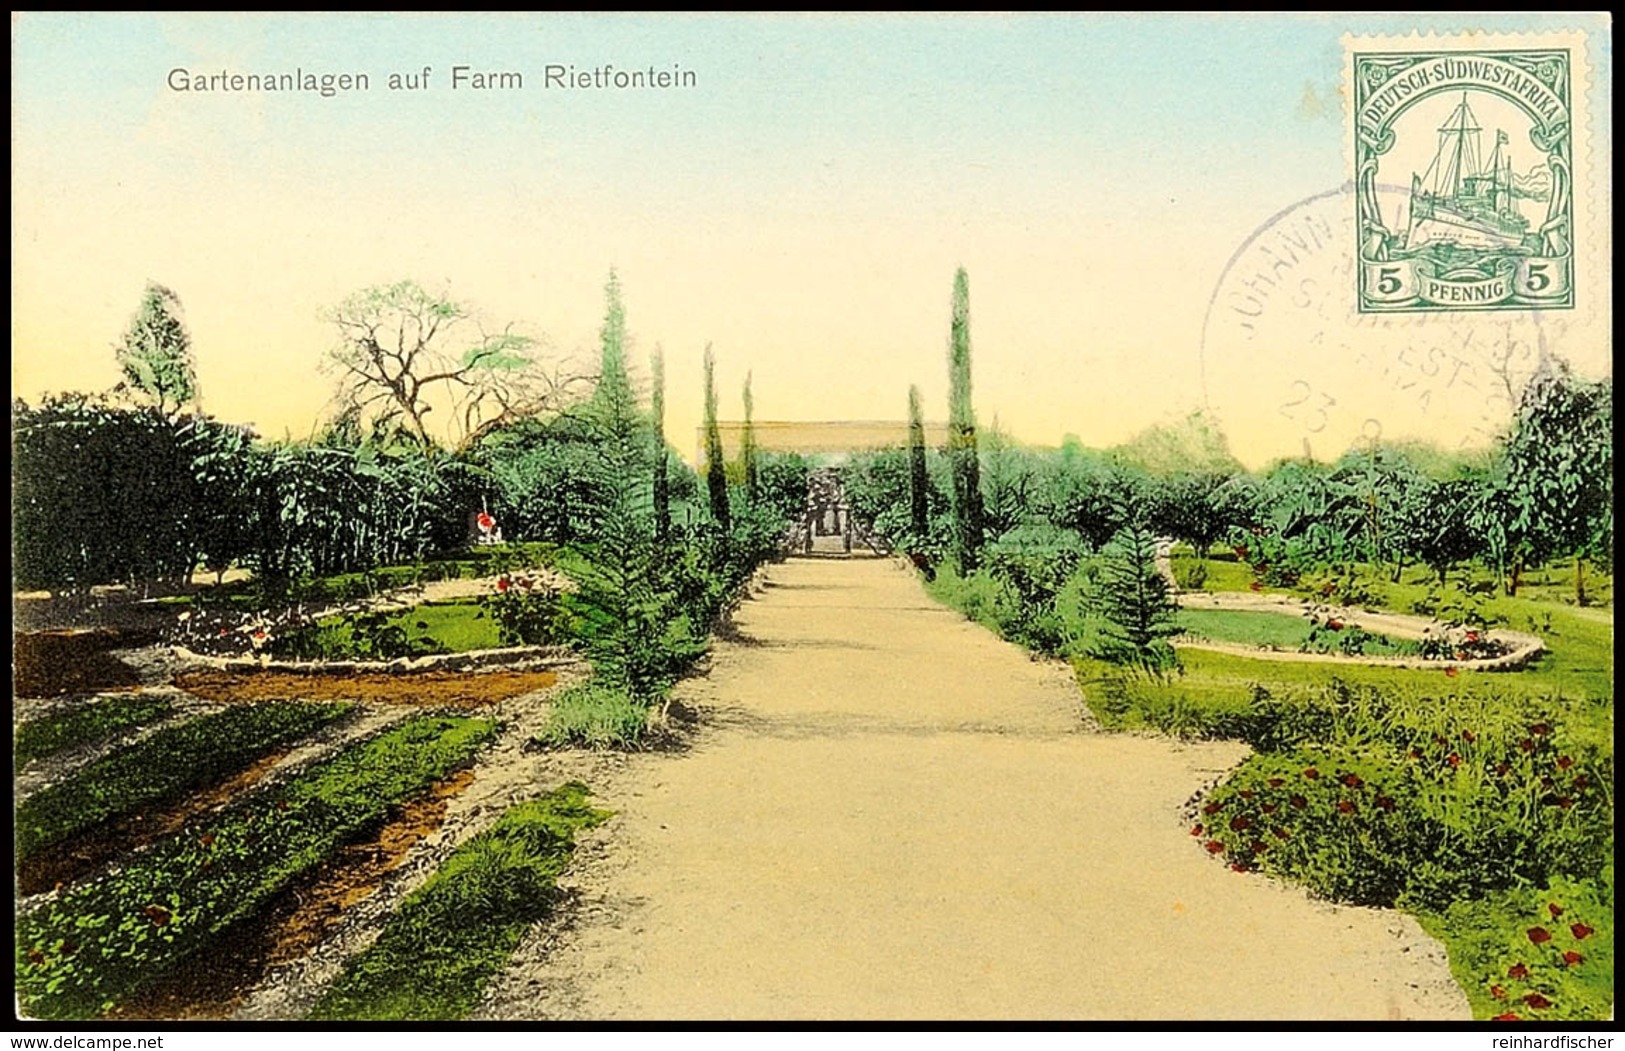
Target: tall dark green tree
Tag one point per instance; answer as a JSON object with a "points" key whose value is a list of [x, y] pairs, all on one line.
{"points": [[614, 385], [662, 486], [155, 352], [917, 480], [716, 471], [1140, 614], [747, 447], [968, 528]]}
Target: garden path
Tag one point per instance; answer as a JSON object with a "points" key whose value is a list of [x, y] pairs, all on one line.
{"points": [[890, 813]]}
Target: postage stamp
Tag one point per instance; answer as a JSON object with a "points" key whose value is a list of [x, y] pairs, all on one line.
{"points": [[1464, 177]]}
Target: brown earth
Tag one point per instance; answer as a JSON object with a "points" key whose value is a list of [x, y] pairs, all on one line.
{"points": [[892, 814], [213, 983], [438, 689], [51, 663]]}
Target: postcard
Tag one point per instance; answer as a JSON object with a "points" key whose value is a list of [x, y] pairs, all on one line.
{"points": [[764, 518]]}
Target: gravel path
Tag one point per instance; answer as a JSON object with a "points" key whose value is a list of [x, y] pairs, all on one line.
{"points": [[889, 813]]}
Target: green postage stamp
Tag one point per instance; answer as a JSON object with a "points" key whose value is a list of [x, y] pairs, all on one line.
{"points": [[1464, 176]]}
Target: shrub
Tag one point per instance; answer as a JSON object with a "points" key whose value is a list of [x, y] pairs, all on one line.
{"points": [[594, 715]]}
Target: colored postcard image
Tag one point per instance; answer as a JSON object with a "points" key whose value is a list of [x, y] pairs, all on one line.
{"points": [[1077, 518]]}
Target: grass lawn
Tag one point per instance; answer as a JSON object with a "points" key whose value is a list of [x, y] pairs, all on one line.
{"points": [[435, 627]]}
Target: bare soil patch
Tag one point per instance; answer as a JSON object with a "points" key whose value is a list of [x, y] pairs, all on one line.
{"points": [[214, 983], [427, 689], [52, 663]]}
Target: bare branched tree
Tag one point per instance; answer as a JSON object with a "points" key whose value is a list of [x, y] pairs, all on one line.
{"points": [[402, 349]]}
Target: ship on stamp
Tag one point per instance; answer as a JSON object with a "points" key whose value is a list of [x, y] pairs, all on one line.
{"points": [[1464, 180]]}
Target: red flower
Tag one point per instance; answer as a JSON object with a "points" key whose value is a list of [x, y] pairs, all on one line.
{"points": [[1275, 782], [1537, 1001], [1540, 729], [1270, 808], [1582, 782], [1197, 829], [503, 583], [1335, 625], [1501, 769], [1461, 656], [1508, 1017], [1247, 793], [157, 914], [1236, 866], [1211, 809], [1571, 958], [1281, 833], [485, 521], [1580, 931], [1469, 736], [1498, 992], [1238, 824], [1472, 636], [1215, 847], [1453, 759], [1526, 745], [1565, 802], [1413, 754], [1564, 762], [1518, 971], [1451, 672], [1255, 586], [1345, 806], [1555, 909], [1258, 846], [1540, 935], [1311, 773], [1385, 803], [1352, 780], [1299, 802]]}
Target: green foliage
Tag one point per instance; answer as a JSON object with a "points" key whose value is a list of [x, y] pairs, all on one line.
{"points": [[160, 769], [83, 724], [1512, 972], [1195, 444], [155, 352], [747, 447], [716, 470], [1134, 599], [437, 952], [594, 715], [967, 486], [98, 943], [1034, 567], [919, 500], [1189, 573]]}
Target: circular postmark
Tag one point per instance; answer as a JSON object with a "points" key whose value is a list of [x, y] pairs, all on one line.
{"points": [[1290, 367]]}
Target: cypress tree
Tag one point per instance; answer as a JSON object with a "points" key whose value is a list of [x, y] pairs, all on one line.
{"points": [[716, 473], [614, 390], [916, 467], [962, 432], [662, 493], [747, 444]]}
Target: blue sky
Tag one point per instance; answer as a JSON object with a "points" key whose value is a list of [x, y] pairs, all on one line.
{"points": [[814, 191]]}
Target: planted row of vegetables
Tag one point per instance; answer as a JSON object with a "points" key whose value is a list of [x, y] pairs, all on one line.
{"points": [[93, 721], [100, 942]]}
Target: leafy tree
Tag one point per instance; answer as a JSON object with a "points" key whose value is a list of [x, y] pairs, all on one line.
{"points": [[1140, 615], [1189, 507], [1438, 521], [1559, 472], [716, 471], [401, 350], [917, 482], [155, 352], [968, 525]]}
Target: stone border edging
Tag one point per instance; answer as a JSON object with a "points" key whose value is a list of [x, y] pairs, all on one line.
{"points": [[512, 655], [1524, 647]]}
